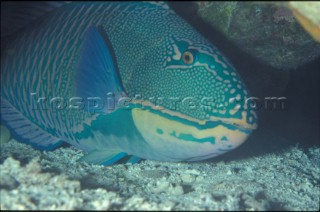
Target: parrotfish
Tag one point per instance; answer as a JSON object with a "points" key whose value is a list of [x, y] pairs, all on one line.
{"points": [[122, 80]]}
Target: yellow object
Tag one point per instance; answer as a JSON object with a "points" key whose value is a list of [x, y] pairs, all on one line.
{"points": [[307, 14]]}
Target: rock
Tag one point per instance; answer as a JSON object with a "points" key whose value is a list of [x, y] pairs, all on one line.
{"points": [[8, 182], [268, 31], [30, 188], [188, 178]]}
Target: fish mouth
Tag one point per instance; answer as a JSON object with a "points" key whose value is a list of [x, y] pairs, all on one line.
{"points": [[240, 124], [178, 137], [233, 123]]}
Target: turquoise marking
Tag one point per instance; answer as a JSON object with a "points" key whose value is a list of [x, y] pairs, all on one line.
{"points": [[224, 138], [189, 137], [159, 131]]}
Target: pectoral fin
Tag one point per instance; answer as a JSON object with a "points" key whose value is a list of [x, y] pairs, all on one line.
{"points": [[103, 157], [97, 73]]}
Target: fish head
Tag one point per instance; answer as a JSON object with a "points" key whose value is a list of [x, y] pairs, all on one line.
{"points": [[197, 105], [207, 84]]}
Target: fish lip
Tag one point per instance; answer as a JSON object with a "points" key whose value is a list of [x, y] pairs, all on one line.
{"points": [[239, 125], [244, 126]]}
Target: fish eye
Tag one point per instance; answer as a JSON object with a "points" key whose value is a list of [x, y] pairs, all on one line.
{"points": [[187, 57]]}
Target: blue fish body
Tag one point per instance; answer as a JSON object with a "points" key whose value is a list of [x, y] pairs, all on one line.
{"points": [[117, 79]]}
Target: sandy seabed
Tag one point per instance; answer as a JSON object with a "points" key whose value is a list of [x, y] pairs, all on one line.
{"points": [[31, 179]]}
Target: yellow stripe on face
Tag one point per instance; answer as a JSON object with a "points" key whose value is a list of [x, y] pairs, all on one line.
{"points": [[164, 110], [241, 122], [157, 131]]}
